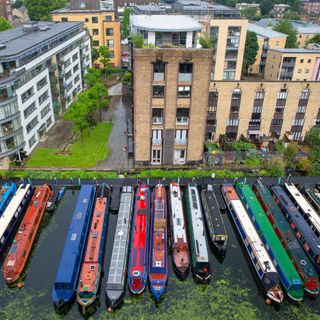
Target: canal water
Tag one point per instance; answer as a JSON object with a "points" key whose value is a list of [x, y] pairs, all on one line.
{"points": [[233, 292]]}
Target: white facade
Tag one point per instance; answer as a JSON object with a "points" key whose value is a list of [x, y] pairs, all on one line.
{"points": [[34, 89]]}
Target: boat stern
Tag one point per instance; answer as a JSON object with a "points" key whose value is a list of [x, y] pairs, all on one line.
{"points": [[114, 298], [275, 295], [157, 290], [311, 287], [137, 284]]}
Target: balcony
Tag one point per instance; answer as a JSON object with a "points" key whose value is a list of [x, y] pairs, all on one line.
{"points": [[182, 121], [181, 141], [158, 76], [157, 141], [157, 120], [185, 77]]}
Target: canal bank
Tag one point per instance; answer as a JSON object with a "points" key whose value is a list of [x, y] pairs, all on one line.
{"points": [[233, 292]]}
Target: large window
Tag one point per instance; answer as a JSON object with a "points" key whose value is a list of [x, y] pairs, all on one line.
{"points": [[109, 31], [43, 97], [156, 156], [282, 94], [41, 83], [158, 71], [157, 116], [184, 91], [181, 136], [27, 94], [94, 19], [185, 71], [95, 32], [182, 116], [158, 91], [45, 110], [28, 111], [32, 124], [110, 43]]}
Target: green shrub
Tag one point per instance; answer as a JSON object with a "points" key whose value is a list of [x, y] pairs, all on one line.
{"points": [[252, 161], [241, 146]]}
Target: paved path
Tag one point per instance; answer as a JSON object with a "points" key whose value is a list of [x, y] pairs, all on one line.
{"points": [[118, 112], [116, 90]]}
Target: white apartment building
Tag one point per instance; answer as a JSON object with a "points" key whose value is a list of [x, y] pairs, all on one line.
{"points": [[41, 71]]}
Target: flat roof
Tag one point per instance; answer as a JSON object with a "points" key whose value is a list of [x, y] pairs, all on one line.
{"points": [[165, 23], [296, 50], [17, 40], [265, 32]]}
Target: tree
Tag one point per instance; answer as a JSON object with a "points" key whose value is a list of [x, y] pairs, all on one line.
{"points": [[266, 6], [289, 154], [77, 113], [92, 77], [137, 40], [4, 24], [104, 56], [250, 51], [39, 10], [313, 139], [206, 42], [295, 5], [100, 96], [17, 4], [249, 13], [291, 15], [315, 39], [126, 22], [285, 26], [275, 166]]}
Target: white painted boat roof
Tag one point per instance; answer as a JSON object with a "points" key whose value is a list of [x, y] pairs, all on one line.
{"points": [[252, 235], [122, 237], [304, 205], [178, 220], [198, 224], [11, 209]]}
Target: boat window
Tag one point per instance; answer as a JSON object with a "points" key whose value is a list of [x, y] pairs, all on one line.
{"points": [[79, 214], [95, 234], [92, 267], [98, 214], [14, 248], [85, 200], [73, 237]]}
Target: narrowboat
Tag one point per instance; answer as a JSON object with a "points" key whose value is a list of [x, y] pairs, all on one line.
{"points": [[13, 213], [313, 196], [138, 258], [198, 246], [158, 255], [214, 221], [65, 284], [298, 257], [115, 198], [90, 274], [310, 243], [23, 242], [6, 194], [289, 276], [117, 273], [179, 241], [304, 207], [220, 199], [257, 252]]}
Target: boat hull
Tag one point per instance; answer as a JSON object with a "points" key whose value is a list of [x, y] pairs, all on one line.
{"points": [[114, 298]]}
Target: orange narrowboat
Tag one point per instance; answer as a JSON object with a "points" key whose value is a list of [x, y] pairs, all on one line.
{"points": [[23, 242]]}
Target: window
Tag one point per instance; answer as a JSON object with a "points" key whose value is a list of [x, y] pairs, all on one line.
{"points": [[233, 122], [32, 124], [32, 141], [43, 97], [45, 110], [257, 109], [302, 109], [157, 136], [27, 94], [95, 32], [301, 60], [309, 60], [185, 71], [94, 19], [181, 136], [156, 156], [157, 115], [76, 79], [298, 122], [276, 122], [299, 70], [29, 110], [229, 75], [259, 94], [282, 94], [111, 54], [41, 83], [158, 71], [76, 68], [64, 19], [236, 94], [182, 116], [110, 43], [184, 91], [304, 95], [68, 75], [109, 31], [306, 70], [49, 122], [277, 43], [82, 4], [108, 18], [158, 91], [86, 19], [95, 43]]}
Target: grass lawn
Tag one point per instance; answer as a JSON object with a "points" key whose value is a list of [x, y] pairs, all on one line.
{"points": [[85, 153]]}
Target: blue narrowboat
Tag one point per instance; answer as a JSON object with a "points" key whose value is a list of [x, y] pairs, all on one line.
{"points": [[305, 235], [66, 281], [6, 194], [13, 213]]}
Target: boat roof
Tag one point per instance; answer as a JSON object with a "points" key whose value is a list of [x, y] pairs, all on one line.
{"points": [[304, 205], [297, 218], [74, 242], [116, 274], [270, 235], [286, 231], [251, 233], [197, 223], [12, 207], [214, 211], [178, 225], [314, 194]]}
